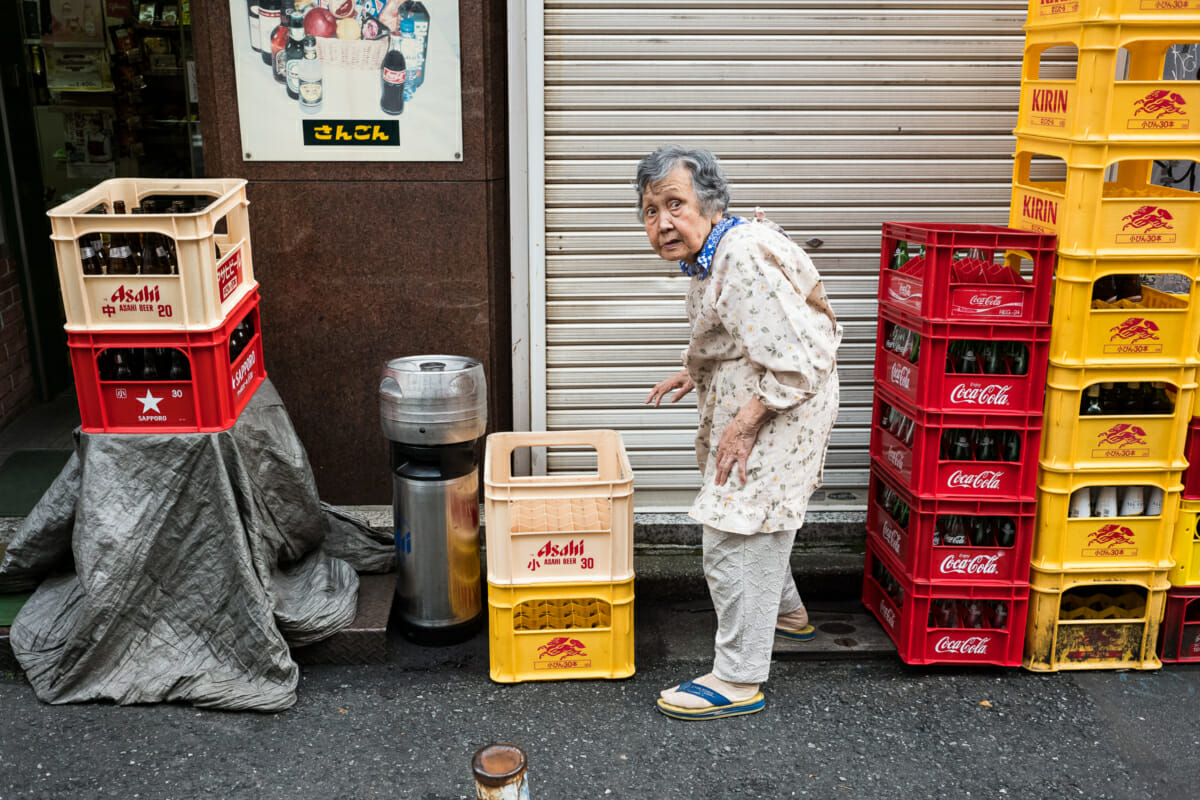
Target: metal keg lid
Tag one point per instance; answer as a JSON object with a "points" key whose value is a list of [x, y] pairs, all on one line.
{"points": [[434, 399]]}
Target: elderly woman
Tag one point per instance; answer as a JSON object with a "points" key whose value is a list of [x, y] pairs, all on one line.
{"points": [[762, 357]]}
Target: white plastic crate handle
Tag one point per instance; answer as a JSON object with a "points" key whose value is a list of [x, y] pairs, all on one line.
{"points": [[611, 462]]}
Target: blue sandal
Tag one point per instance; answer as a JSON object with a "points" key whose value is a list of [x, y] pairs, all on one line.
{"points": [[722, 706], [805, 634]]}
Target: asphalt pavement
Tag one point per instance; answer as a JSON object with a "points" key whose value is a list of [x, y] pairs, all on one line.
{"points": [[841, 721]]}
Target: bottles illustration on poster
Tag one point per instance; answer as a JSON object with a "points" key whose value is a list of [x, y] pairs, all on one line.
{"points": [[348, 80]]}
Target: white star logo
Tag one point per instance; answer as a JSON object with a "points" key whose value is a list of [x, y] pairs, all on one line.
{"points": [[149, 403]]}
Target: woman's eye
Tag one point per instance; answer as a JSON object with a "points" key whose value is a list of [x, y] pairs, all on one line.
{"points": [[675, 204]]}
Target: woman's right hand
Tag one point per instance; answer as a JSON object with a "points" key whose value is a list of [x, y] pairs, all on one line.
{"points": [[680, 383]]}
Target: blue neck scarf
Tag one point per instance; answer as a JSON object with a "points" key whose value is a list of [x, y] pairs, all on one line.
{"points": [[704, 261]]}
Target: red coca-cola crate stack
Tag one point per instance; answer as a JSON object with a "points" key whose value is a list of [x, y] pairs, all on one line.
{"points": [[162, 307], [960, 377]]}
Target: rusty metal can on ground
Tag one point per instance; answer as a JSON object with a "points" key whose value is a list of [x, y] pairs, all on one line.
{"points": [[499, 770]]}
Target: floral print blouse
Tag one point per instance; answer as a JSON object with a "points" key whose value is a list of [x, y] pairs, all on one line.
{"points": [[761, 326]]}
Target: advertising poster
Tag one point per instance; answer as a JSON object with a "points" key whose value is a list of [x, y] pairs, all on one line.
{"points": [[75, 22], [379, 80]]}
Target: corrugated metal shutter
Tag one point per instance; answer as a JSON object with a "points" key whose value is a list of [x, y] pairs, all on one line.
{"points": [[832, 117]]}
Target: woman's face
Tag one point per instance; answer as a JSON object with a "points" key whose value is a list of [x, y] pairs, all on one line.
{"points": [[671, 212]]}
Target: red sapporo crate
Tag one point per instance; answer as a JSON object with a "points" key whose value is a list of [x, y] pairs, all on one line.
{"points": [[931, 295], [913, 548], [1179, 636], [919, 640], [926, 384], [209, 400], [1191, 475], [920, 468]]}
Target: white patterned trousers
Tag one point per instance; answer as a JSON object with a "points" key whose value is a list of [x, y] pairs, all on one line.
{"points": [[750, 580]]}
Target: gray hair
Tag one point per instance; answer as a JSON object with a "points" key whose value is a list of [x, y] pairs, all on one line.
{"points": [[708, 179]]}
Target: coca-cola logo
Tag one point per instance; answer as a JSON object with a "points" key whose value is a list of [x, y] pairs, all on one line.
{"points": [[901, 376], [886, 612], [986, 300], [895, 457], [904, 290], [971, 565], [972, 645], [892, 536], [989, 394], [988, 479]]}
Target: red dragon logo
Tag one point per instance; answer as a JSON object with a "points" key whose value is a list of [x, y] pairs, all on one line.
{"points": [[1134, 329], [1111, 535], [561, 648], [1122, 435], [1160, 102], [1150, 218]]}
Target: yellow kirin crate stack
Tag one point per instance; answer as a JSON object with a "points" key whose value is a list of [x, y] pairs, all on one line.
{"points": [[559, 561], [1125, 323]]}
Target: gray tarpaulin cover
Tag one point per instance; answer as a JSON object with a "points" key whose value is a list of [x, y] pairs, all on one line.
{"points": [[180, 567]]}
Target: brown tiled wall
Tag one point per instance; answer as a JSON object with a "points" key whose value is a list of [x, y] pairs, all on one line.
{"points": [[362, 262], [16, 375]]}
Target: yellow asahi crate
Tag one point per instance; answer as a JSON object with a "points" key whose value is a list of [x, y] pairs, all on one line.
{"points": [[1127, 217], [1094, 105], [1050, 13], [1072, 440], [1185, 547], [1094, 620], [1159, 328], [1130, 543], [555, 631]]}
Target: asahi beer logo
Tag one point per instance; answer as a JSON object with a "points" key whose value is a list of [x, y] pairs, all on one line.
{"points": [[1133, 336], [885, 611], [971, 646], [971, 565], [976, 394], [562, 652], [1159, 110], [892, 536], [901, 376], [561, 555], [229, 274], [1146, 221], [245, 374], [1122, 440], [1111, 541], [988, 479], [1048, 107], [125, 300]]}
